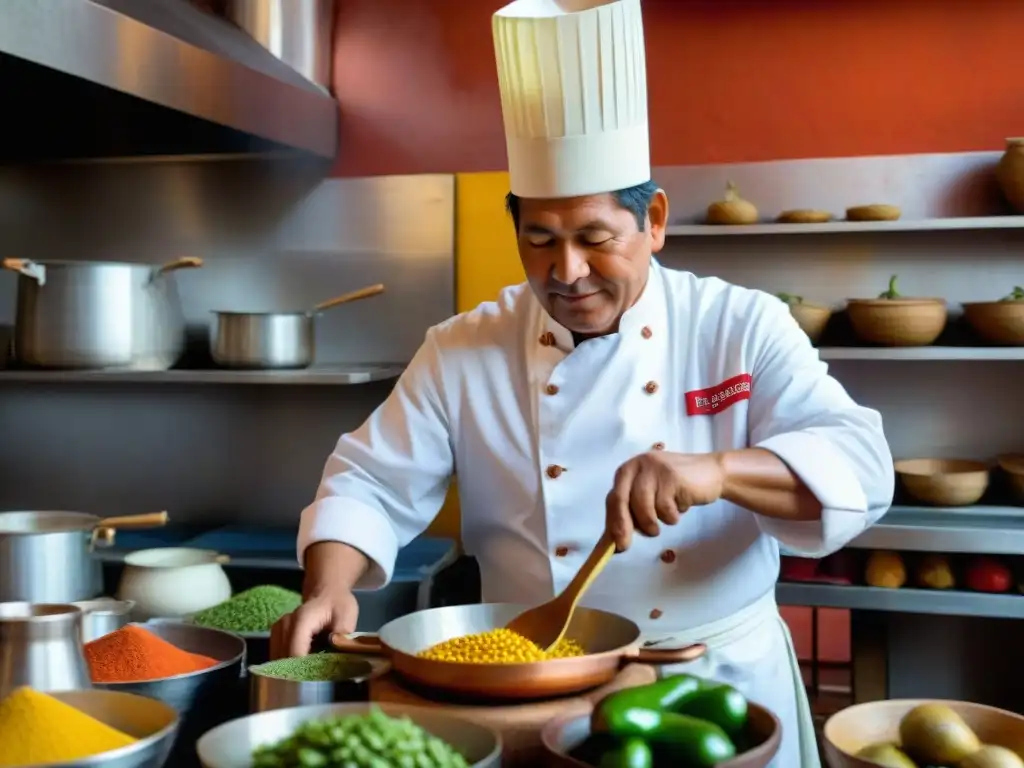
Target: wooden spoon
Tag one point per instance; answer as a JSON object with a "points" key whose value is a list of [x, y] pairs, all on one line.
{"points": [[545, 625]]}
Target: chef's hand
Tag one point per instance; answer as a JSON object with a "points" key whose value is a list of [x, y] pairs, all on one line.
{"points": [[659, 485], [332, 611], [332, 568]]}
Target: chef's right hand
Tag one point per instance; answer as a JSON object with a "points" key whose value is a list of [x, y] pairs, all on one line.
{"points": [[332, 569], [334, 611]]}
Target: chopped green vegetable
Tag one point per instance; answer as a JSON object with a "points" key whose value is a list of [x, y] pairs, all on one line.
{"points": [[254, 610], [1017, 294], [373, 740], [316, 667], [891, 293], [789, 298]]}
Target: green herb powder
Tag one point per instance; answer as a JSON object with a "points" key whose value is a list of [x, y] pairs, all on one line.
{"points": [[317, 667], [254, 610]]}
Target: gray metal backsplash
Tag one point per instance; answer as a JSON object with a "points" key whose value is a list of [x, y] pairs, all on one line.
{"points": [[274, 235]]}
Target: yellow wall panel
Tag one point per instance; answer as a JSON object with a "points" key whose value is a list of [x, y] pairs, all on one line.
{"points": [[486, 260]]}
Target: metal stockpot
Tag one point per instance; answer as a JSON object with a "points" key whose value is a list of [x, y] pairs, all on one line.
{"points": [[268, 340], [82, 314], [41, 646], [46, 557]]}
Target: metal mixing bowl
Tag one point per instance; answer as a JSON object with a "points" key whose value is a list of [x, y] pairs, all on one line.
{"points": [[267, 692], [203, 699], [231, 745], [153, 723]]}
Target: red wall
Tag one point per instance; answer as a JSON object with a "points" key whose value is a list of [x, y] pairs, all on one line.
{"points": [[729, 80]]}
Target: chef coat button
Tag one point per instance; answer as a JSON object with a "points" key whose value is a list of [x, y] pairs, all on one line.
{"points": [[547, 339], [561, 551], [658, 447], [554, 471], [651, 387], [655, 614], [668, 556], [646, 332], [551, 389]]}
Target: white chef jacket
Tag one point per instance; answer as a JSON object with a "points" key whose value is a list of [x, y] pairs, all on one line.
{"points": [[536, 429]]}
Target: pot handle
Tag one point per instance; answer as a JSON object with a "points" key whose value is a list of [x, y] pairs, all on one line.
{"points": [[27, 268], [101, 537], [366, 643], [185, 262], [660, 656], [345, 298], [148, 520]]}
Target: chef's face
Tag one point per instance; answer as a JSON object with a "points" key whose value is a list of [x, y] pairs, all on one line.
{"points": [[587, 258]]}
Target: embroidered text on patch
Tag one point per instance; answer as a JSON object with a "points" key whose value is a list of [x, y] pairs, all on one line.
{"points": [[701, 402]]}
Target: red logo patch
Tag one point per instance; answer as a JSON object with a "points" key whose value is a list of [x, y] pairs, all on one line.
{"points": [[702, 402]]}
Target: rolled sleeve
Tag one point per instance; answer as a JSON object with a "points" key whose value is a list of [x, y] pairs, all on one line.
{"points": [[836, 447], [385, 482]]}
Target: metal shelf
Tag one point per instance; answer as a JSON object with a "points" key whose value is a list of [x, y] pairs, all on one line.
{"points": [[986, 530], [921, 353], [317, 375], [946, 603], [833, 227]]}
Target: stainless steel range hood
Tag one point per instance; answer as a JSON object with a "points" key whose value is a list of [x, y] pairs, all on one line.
{"points": [[124, 78]]}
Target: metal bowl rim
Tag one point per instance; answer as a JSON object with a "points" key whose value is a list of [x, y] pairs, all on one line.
{"points": [[318, 711], [137, 746], [236, 659], [89, 521], [377, 667], [68, 613]]}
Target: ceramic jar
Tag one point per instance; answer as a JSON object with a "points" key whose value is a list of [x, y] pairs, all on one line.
{"points": [[1010, 173], [173, 582]]}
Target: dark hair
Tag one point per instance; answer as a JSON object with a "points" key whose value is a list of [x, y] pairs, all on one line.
{"points": [[636, 200]]}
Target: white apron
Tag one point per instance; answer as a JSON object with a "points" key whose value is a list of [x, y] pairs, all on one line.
{"points": [[738, 645]]}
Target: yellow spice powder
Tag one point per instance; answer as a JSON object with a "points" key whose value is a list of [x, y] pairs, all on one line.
{"points": [[36, 728], [499, 646]]}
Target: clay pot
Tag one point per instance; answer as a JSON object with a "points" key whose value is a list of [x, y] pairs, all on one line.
{"points": [[1010, 173]]}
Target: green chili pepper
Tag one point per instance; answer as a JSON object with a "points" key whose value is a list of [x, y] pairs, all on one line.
{"points": [[631, 753], [720, 704], [666, 694], [683, 739]]}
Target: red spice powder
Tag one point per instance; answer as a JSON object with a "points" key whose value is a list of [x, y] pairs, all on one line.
{"points": [[132, 654]]}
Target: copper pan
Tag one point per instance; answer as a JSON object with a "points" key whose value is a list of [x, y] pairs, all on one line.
{"points": [[610, 641]]}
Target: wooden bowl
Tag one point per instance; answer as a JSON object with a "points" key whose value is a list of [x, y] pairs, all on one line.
{"points": [[852, 729], [564, 734], [1012, 465], [897, 322], [944, 482], [873, 212], [811, 318], [804, 216], [997, 322]]}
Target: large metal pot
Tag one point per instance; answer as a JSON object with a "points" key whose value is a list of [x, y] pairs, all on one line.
{"points": [[41, 646], [608, 639], [46, 557], [273, 340], [82, 314]]}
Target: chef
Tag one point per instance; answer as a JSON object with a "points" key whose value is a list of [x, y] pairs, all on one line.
{"points": [[691, 418]]}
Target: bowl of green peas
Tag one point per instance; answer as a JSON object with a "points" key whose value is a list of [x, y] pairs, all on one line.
{"points": [[360, 735]]}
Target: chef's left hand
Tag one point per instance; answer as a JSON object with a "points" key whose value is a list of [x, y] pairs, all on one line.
{"points": [[660, 486]]}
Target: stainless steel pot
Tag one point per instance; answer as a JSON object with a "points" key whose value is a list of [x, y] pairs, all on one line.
{"points": [[82, 314], [282, 340], [102, 616], [268, 692], [41, 646], [46, 557]]}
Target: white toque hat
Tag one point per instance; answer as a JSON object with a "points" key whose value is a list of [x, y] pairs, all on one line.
{"points": [[573, 84]]}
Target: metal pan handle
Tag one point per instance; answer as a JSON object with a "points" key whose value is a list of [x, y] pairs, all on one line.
{"points": [[27, 268], [658, 656], [367, 643]]}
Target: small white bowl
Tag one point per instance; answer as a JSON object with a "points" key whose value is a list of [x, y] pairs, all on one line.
{"points": [[173, 582]]}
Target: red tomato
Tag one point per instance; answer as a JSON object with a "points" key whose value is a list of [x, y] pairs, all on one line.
{"points": [[986, 574]]}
